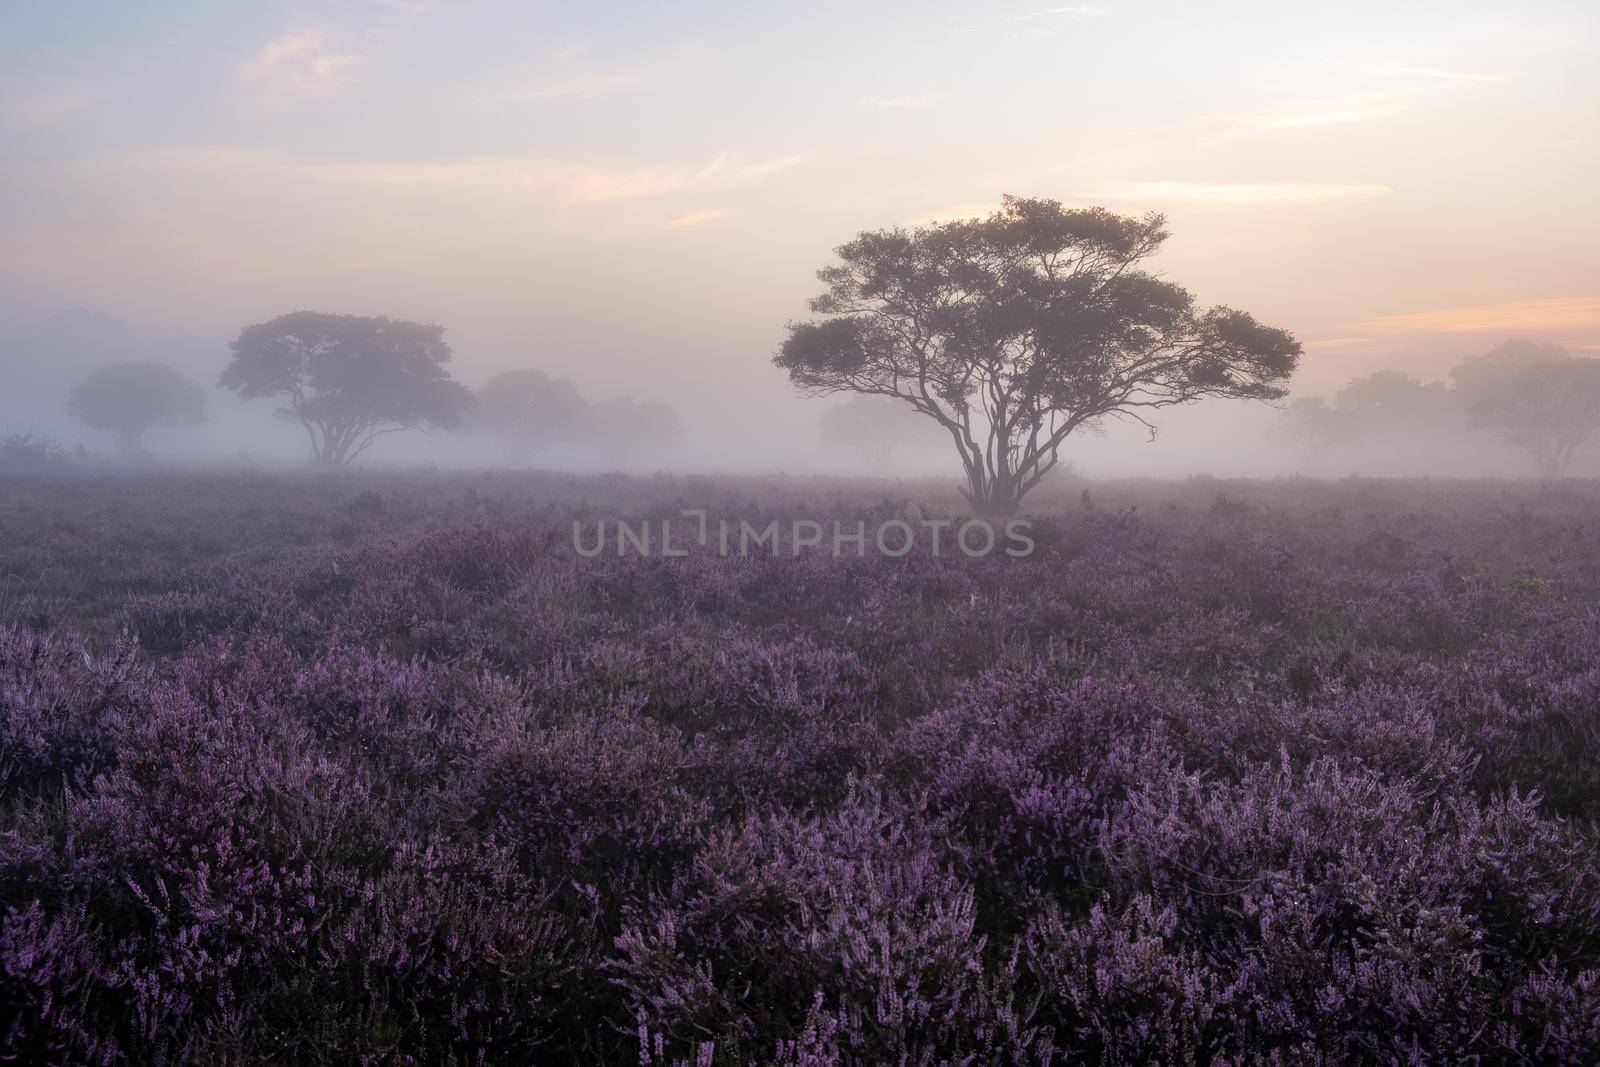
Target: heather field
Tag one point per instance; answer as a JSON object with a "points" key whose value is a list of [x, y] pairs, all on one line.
{"points": [[377, 768]]}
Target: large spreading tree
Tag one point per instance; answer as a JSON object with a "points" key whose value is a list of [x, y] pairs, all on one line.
{"points": [[347, 379], [1014, 331], [127, 400]]}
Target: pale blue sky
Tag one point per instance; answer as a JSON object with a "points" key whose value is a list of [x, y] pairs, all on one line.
{"points": [[637, 194]]}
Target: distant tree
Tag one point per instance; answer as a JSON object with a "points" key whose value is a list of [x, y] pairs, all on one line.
{"points": [[1393, 396], [874, 427], [1313, 428], [1014, 331], [526, 411], [127, 400], [348, 379], [624, 426], [1534, 397], [1482, 378]]}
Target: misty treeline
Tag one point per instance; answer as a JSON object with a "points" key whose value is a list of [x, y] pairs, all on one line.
{"points": [[1000, 337], [526, 412], [347, 381], [1536, 401], [1007, 334]]}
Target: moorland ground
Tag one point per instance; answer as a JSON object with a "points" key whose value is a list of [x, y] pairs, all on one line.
{"points": [[376, 767]]}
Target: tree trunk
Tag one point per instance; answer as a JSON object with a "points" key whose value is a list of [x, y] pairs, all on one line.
{"points": [[130, 443], [331, 449], [992, 498], [327, 456]]}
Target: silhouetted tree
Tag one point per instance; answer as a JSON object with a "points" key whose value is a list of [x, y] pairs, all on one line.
{"points": [[525, 411], [874, 426], [348, 379], [1535, 397], [1012, 332], [127, 400], [625, 426]]}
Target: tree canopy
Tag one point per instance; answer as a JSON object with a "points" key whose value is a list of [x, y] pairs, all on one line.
{"points": [[1012, 332], [1526, 395], [1394, 394], [525, 411], [348, 379], [127, 400], [1534, 397], [624, 426]]}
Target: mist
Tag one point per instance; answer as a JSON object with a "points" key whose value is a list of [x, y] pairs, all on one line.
{"points": [[750, 424], [582, 196]]}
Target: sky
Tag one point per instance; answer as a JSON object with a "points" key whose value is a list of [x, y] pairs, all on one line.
{"points": [[637, 195]]}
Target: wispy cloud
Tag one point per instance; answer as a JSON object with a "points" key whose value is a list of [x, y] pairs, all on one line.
{"points": [[1554, 313], [1341, 342], [899, 103], [1293, 114], [1071, 13], [309, 61], [572, 86], [47, 106], [1391, 89], [1236, 193], [567, 181], [1433, 74], [744, 173], [573, 71], [692, 219], [1156, 194]]}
